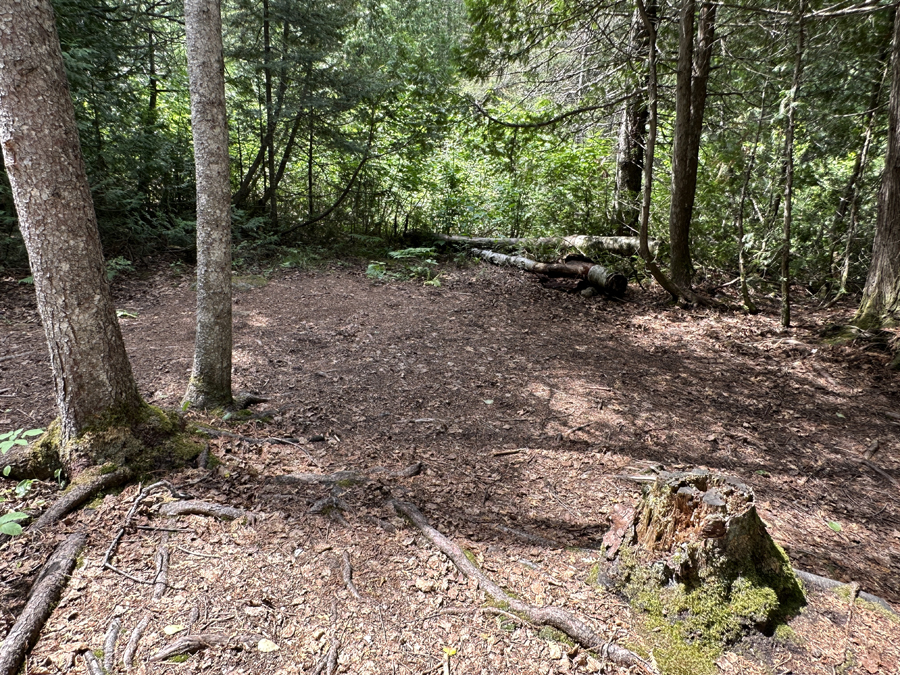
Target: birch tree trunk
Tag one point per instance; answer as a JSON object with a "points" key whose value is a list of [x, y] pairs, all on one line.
{"points": [[210, 384], [42, 153], [880, 303]]}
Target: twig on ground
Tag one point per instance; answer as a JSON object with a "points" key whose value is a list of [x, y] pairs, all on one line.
{"points": [[43, 597], [109, 645], [196, 553], [328, 664], [188, 644], [347, 573], [539, 616], [578, 428]]}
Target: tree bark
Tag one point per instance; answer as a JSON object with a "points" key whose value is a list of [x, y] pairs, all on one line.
{"points": [[91, 372], [880, 304], [210, 384], [749, 305], [690, 102]]}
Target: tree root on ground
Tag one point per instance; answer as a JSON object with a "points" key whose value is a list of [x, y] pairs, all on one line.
{"points": [[133, 642], [76, 495], [328, 664], [826, 584], [539, 616], [347, 574], [189, 644], [44, 595], [197, 507], [109, 644]]}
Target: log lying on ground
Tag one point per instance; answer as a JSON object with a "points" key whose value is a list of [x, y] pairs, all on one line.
{"points": [[579, 242], [44, 595], [597, 276], [554, 617]]}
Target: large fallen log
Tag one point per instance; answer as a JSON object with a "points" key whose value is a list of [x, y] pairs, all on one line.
{"points": [[579, 242], [611, 283]]}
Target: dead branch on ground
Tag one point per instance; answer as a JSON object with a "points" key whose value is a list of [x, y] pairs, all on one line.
{"points": [[539, 616], [133, 642], [347, 573], [43, 597], [109, 645], [201, 508], [189, 644]]}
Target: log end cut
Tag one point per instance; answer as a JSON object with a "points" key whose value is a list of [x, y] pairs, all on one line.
{"points": [[702, 566]]}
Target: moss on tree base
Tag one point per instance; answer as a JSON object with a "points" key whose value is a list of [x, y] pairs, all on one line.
{"points": [[703, 570], [150, 440]]}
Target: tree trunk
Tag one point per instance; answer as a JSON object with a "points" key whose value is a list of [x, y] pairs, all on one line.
{"points": [[596, 275], [690, 102], [270, 115], [789, 175], [880, 304], [749, 306], [630, 161], [210, 384], [91, 372]]}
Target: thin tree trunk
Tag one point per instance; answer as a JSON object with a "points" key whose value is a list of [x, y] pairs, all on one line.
{"points": [[650, 23], [632, 132], [210, 384], [270, 115], [880, 303], [39, 136], [749, 306], [789, 173]]}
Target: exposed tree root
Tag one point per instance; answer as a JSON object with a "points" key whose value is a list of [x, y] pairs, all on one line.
{"points": [[826, 584], [346, 478], [109, 645], [77, 494], [539, 616], [328, 664], [44, 595], [93, 665], [347, 573], [197, 507], [189, 644], [162, 567], [133, 642]]}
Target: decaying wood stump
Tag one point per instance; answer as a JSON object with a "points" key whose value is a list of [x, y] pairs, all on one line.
{"points": [[699, 556]]}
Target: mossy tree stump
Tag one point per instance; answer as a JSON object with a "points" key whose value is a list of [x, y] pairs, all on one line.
{"points": [[701, 564]]}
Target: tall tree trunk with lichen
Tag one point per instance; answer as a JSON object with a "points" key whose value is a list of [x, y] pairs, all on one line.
{"points": [[880, 304], [210, 384], [42, 153]]}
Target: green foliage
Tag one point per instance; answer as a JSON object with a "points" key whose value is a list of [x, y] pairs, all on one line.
{"points": [[9, 524], [117, 266], [17, 437]]}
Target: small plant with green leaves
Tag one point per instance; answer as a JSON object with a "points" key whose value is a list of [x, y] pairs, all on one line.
{"points": [[13, 438], [117, 266], [9, 523]]}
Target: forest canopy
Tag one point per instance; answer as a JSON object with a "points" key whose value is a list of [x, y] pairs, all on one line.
{"points": [[510, 119]]}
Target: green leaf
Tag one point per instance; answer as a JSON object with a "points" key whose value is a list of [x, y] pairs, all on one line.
{"points": [[33, 432], [834, 525], [8, 524], [841, 415], [11, 529]]}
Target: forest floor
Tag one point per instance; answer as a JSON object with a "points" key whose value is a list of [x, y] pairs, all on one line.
{"points": [[524, 405]]}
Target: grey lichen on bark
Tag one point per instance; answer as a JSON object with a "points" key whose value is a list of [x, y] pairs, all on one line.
{"points": [[42, 153], [210, 383]]}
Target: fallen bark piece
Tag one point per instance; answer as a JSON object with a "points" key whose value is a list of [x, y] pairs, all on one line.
{"points": [[76, 495], [201, 508], [611, 283], [189, 644], [43, 597], [580, 242], [540, 616]]}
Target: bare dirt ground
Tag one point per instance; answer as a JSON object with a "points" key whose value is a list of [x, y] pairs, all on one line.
{"points": [[524, 405]]}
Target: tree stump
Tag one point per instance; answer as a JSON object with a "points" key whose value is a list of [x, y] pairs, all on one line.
{"points": [[699, 561]]}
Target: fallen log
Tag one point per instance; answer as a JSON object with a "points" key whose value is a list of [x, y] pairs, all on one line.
{"points": [[579, 242], [44, 595], [611, 283]]}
